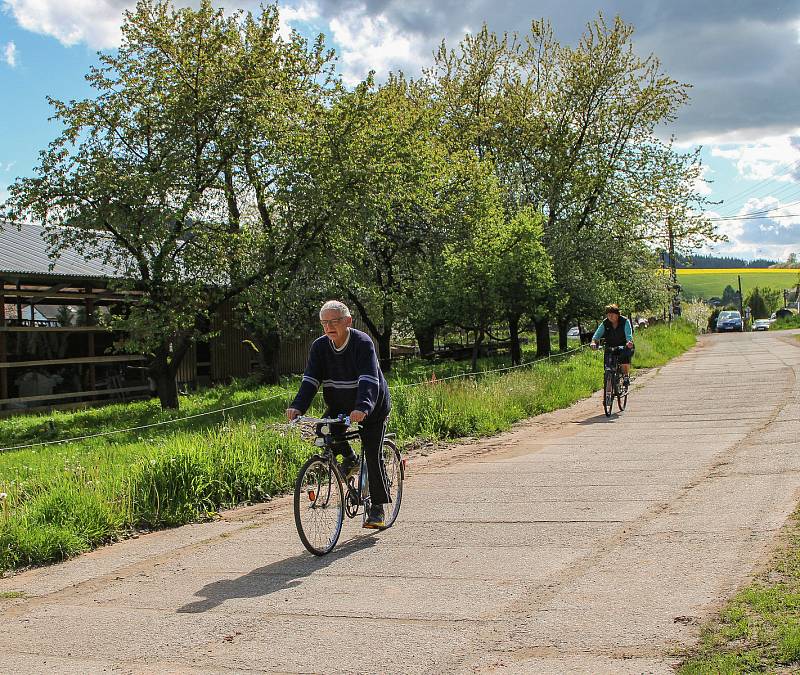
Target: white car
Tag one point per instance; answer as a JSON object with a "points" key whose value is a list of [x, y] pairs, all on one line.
{"points": [[574, 332], [761, 324]]}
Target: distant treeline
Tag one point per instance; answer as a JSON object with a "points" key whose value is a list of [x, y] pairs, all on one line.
{"points": [[708, 262]]}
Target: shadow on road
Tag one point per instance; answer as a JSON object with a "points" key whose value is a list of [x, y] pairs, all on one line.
{"points": [[600, 419], [271, 578]]}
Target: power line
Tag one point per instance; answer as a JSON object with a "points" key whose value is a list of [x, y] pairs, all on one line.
{"points": [[791, 166], [753, 217]]}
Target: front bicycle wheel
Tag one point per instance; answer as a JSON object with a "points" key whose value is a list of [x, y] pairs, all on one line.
{"points": [[395, 471], [318, 505], [608, 394], [622, 394]]}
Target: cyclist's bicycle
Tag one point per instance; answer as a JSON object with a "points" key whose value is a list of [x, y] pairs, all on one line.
{"points": [[613, 387], [323, 495]]}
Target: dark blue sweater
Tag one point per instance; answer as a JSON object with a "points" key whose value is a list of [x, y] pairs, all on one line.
{"points": [[350, 379]]}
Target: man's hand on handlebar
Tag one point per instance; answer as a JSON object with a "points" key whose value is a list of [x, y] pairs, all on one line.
{"points": [[595, 345], [629, 344], [357, 416], [292, 414]]}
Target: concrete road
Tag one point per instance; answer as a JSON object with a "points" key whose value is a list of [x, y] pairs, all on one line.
{"points": [[571, 544]]}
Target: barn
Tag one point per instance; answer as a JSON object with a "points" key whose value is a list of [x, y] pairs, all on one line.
{"points": [[54, 352]]}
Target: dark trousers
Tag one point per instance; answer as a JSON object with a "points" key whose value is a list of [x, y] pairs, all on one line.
{"points": [[624, 356], [372, 443]]}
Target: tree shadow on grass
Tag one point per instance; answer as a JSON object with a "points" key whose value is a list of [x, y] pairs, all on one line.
{"points": [[277, 576]]}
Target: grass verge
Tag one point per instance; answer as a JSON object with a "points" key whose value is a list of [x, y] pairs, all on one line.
{"points": [[789, 322], [758, 630], [61, 500]]}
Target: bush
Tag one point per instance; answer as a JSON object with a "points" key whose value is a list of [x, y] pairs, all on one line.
{"points": [[787, 322]]}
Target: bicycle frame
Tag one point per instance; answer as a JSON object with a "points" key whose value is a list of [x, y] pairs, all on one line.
{"points": [[357, 496], [611, 359]]}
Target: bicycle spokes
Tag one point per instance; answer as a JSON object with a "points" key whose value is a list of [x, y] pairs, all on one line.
{"points": [[318, 505]]}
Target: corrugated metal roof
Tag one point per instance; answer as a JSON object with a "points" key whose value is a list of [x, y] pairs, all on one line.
{"points": [[24, 251]]}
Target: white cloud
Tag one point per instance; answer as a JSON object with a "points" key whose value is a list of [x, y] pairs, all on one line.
{"points": [[95, 22], [373, 43], [764, 228], [306, 11], [10, 54], [771, 157], [702, 184]]}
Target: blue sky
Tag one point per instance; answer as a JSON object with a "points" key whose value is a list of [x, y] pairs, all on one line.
{"points": [[742, 58]]}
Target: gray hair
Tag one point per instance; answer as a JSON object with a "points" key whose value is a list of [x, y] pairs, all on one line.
{"points": [[335, 306]]}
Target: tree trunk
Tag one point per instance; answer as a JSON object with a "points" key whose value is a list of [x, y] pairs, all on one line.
{"points": [[513, 329], [167, 389], [476, 348], [164, 368], [563, 328], [269, 345], [542, 336], [384, 338], [425, 340], [385, 349], [161, 372]]}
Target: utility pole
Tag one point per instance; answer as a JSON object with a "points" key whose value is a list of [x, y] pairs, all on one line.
{"points": [[741, 299]]}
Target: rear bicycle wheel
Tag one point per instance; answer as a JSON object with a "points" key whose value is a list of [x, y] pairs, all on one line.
{"points": [[318, 506], [608, 394], [395, 472]]}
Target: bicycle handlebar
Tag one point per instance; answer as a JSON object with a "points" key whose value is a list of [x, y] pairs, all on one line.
{"points": [[341, 419]]}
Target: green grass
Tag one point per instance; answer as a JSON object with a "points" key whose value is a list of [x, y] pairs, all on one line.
{"points": [[68, 498], [11, 595], [23, 429], [711, 283], [789, 322], [758, 630]]}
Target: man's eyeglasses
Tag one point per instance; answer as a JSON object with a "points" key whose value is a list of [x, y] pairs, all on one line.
{"points": [[330, 322]]}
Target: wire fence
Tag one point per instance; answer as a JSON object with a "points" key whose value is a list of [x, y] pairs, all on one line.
{"points": [[265, 399]]}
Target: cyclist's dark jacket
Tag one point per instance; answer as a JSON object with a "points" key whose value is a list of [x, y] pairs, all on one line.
{"points": [[350, 379], [615, 337]]}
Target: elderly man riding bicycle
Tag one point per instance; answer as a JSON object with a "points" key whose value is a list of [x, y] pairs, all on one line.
{"points": [[344, 362]]}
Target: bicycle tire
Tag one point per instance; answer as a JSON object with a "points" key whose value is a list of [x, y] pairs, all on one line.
{"points": [[622, 401], [395, 473], [320, 535], [608, 394]]}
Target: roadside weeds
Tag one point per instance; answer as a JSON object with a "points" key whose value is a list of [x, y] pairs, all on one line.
{"points": [[758, 630]]}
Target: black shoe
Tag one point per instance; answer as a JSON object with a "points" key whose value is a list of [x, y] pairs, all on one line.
{"points": [[375, 518], [626, 382], [349, 466]]}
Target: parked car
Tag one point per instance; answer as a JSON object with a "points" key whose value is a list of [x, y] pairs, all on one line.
{"points": [[761, 324], [574, 332], [729, 320]]}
